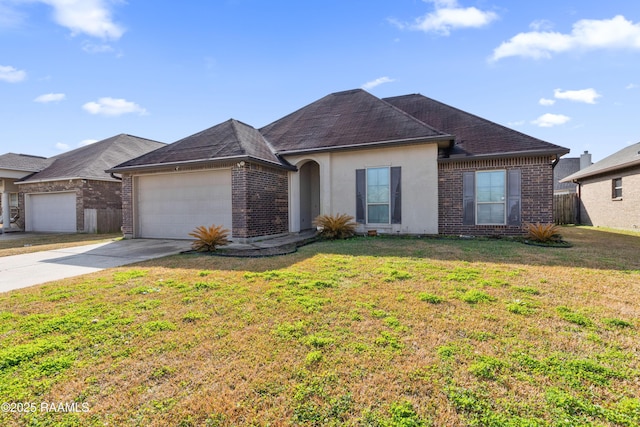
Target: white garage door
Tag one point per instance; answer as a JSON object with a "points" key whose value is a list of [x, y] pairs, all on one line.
{"points": [[172, 205], [52, 212]]}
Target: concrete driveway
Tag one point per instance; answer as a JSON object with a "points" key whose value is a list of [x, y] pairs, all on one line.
{"points": [[20, 271]]}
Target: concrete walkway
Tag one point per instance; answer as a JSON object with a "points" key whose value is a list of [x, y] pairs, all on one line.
{"points": [[20, 271]]}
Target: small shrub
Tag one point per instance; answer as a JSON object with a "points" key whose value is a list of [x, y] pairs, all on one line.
{"points": [[340, 226], [543, 233], [209, 238]]}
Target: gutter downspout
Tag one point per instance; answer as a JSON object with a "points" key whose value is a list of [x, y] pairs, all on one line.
{"points": [[119, 178]]}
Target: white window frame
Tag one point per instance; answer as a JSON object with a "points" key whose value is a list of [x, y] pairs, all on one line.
{"points": [[388, 203], [13, 200], [503, 202]]}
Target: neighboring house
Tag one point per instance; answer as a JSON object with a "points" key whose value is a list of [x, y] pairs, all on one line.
{"points": [[12, 168], [568, 166], [405, 165], [73, 193], [609, 190]]}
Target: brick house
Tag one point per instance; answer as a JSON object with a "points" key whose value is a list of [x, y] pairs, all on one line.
{"points": [[403, 165], [609, 190], [73, 193]]}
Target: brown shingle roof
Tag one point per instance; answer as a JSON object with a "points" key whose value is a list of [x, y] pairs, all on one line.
{"points": [[346, 119], [625, 158], [230, 139], [474, 136], [91, 161], [23, 162]]}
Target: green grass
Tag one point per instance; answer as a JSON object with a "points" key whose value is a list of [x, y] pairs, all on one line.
{"points": [[362, 332]]}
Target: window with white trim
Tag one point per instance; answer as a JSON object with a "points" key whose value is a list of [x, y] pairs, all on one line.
{"points": [[379, 195], [491, 197], [13, 200], [378, 185]]}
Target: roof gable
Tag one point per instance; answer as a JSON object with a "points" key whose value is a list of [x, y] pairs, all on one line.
{"points": [[91, 161], [345, 119], [474, 136], [230, 139], [627, 157]]}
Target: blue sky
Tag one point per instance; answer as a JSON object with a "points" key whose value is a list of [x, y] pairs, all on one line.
{"points": [[77, 71]]}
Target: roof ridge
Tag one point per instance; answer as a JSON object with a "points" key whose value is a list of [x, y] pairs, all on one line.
{"points": [[474, 116]]}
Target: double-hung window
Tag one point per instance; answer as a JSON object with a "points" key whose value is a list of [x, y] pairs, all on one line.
{"points": [[13, 200], [378, 195], [491, 197], [378, 185], [616, 188]]}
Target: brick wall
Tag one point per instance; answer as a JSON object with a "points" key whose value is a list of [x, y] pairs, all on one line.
{"points": [[536, 194], [127, 205], [260, 202], [90, 194], [600, 209]]}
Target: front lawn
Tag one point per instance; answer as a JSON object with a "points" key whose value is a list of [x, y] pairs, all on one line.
{"points": [[366, 332]]}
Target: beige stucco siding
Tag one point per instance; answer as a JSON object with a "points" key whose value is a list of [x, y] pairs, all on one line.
{"points": [[598, 208], [419, 185]]}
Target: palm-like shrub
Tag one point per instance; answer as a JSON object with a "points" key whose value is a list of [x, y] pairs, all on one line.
{"points": [[338, 226], [544, 233], [209, 238]]}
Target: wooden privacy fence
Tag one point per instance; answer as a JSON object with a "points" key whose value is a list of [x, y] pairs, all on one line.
{"points": [[565, 208], [102, 220]]}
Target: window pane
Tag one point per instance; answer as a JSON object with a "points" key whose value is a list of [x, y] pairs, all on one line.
{"points": [[490, 186], [13, 200], [378, 214], [378, 185], [491, 213]]}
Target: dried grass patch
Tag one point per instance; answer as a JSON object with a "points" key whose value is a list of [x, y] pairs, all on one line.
{"points": [[338, 333]]}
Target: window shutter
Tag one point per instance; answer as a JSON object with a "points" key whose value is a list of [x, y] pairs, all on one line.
{"points": [[468, 198], [513, 197], [361, 190], [396, 196]]}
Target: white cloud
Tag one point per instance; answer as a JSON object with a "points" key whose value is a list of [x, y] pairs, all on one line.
{"points": [[62, 147], [631, 86], [546, 102], [587, 96], [449, 15], [541, 25], [90, 17], [377, 82], [113, 107], [11, 75], [50, 97], [549, 120], [586, 34], [96, 48], [516, 123], [86, 142]]}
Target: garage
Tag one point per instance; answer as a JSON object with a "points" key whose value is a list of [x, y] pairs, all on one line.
{"points": [[51, 212], [172, 205]]}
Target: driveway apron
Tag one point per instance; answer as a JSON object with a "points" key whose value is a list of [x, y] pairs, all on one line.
{"points": [[20, 271]]}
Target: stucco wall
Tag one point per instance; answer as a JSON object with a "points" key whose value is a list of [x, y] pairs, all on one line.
{"points": [[338, 185], [600, 209]]}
